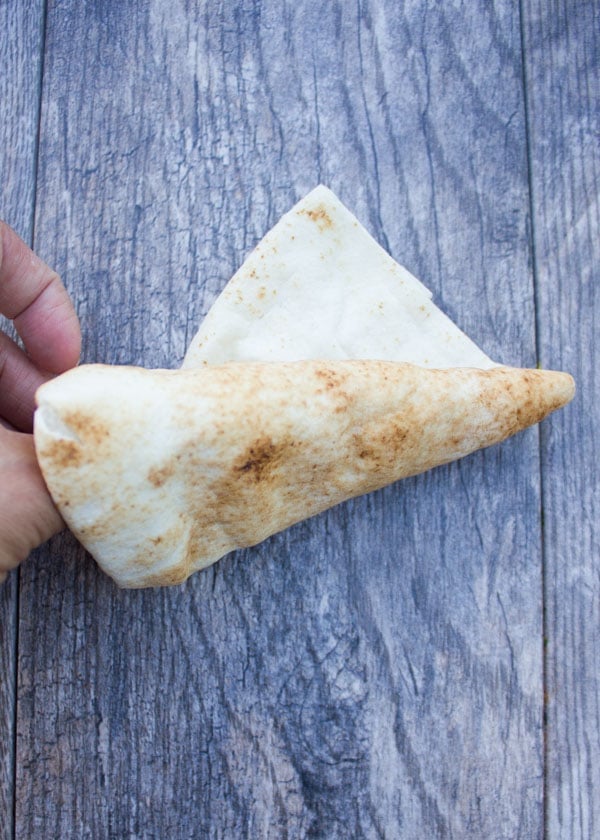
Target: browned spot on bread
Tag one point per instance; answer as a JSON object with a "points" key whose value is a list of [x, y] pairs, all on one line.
{"points": [[319, 216], [87, 428], [330, 378], [169, 577], [159, 475], [164, 544], [384, 443], [63, 453], [260, 459]]}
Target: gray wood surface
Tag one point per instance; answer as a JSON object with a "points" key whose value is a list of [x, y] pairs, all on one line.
{"points": [[563, 71], [21, 51], [379, 670]]}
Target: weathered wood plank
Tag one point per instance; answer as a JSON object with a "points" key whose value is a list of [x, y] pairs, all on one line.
{"points": [[376, 671], [563, 66], [21, 37]]}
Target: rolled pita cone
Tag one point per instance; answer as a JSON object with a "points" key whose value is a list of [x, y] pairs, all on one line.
{"points": [[161, 473]]}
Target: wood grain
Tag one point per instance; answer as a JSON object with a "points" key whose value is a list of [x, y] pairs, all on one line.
{"points": [[376, 671], [21, 50], [563, 58]]}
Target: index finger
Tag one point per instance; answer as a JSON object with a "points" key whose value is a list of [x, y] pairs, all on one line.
{"points": [[34, 298]]}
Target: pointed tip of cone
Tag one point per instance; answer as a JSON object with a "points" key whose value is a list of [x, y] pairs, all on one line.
{"points": [[556, 389], [563, 385], [537, 393]]}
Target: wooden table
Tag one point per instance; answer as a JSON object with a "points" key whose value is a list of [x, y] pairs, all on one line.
{"points": [[421, 662]]}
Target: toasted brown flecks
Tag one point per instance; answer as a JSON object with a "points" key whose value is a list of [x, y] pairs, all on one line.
{"points": [[526, 407], [394, 433], [63, 454], [169, 543], [159, 475], [330, 378], [383, 444], [260, 459], [88, 429], [319, 216], [168, 577], [528, 397]]}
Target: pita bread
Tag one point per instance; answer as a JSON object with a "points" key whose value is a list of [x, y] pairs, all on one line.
{"points": [[160, 473], [318, 286]]}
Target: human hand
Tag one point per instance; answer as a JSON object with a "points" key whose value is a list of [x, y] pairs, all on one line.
{"points": [[33, 297]]}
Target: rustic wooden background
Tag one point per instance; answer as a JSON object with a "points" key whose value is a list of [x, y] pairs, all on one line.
{"points": [[421, 662]]}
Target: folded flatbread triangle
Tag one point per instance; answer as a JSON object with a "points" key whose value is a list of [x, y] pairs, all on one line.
{"points": [[161, 473], [318, 286]]}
